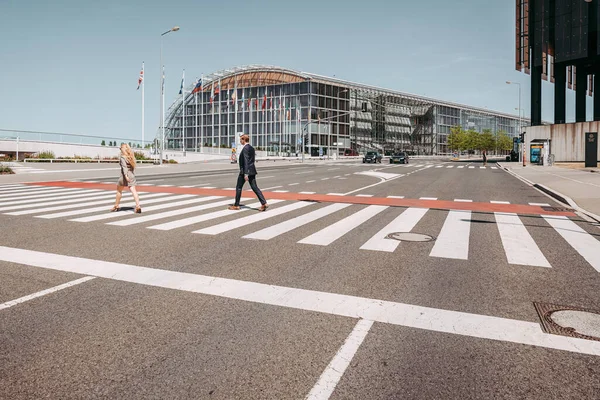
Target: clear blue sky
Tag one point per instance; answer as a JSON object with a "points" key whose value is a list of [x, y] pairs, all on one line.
{"points": [[72, 65]]}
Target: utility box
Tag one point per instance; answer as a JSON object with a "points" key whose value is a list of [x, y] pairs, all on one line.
{"points": [[591, 149]]}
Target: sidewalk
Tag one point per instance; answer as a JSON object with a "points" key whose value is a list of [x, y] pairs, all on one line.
{"points": [[580, 188]]}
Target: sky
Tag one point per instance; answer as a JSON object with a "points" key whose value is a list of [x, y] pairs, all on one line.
{"points": [[72, 66]]}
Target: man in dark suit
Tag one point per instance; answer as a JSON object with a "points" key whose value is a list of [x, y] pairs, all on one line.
{"points": [[247, 173]]}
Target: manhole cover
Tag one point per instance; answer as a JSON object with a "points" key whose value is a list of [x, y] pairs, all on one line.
{"points": [[557, 209], [569, 321], [410, 237]]}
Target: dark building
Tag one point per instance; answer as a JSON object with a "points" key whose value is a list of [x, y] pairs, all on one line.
{"points": [[559, 41]]}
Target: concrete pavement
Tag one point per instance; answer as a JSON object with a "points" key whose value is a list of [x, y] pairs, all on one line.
{"points": [[219, 304]]}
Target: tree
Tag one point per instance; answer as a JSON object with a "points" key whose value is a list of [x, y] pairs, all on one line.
{"points": [[471, 139], [456, 138], [504, 142], [487, 141], [110, 143], [103, 143]]}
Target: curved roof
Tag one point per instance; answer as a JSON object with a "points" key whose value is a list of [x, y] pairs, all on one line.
{"points": [[253, 75]]}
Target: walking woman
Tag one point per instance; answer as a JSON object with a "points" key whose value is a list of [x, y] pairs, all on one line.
{"points": [[127, 179]]}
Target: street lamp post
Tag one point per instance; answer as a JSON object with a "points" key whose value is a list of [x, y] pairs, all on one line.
{"points": [[520, 126], [162, 94], [310, 122]]}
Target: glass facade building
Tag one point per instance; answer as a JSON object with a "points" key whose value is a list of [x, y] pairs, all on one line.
{"points": [[286, 112]]}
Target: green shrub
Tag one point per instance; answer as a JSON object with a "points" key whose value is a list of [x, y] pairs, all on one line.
{"points": [[45, 155], [140, 155], [172, 162], [5, 170]]}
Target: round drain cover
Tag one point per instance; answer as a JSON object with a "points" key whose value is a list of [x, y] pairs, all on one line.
{"points": [[410, 237], [582, 322]]}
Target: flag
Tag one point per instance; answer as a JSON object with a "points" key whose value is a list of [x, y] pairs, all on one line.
{"points": [[182, 79], [141, 78], [243, 100], [212, 93], [218, 88], [264, 104], [197, 87]]}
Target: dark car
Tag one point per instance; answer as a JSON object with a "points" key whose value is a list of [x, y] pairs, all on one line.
{"points": [[372, 157], [401, 158]]}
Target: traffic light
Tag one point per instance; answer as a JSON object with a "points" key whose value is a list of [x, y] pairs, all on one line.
{"points": [[522, 137]]}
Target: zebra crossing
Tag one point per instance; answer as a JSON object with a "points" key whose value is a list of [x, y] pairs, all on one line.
{"points": [[170, 211]]}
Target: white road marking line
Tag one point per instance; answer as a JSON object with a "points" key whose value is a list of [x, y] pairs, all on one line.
{"points": [[273, 187], [471, 167], [305, 172], [519, 246], [453, 240], [12, 186], [377, 174], [450, 166], [333, 232], [293, 184], [460, 166], [439, 166], [41, 293], [463, 201], [418, 166], [336, 368], [334, 194], [280, 191], [335, 177], [584, 243], [364, 195], [289, 225], [165, 185], [210, 187], [69, 200], [499, 202], [23, 189], [109, 215], [333, 169], [347, 174], [172, 213], [427, 198], [395, 197], [540, 204], [405, 222], [167, 226], [53, 196], [143, 198], [494, 167], [230, 188], [307, 192], [240, 222], [325, 179], [310, 181], [413, 316]]}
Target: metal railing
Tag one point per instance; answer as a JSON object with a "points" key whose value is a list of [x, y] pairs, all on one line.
{"points": [[80, 160], [67, 138]]}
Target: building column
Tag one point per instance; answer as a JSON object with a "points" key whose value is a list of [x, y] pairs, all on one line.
{"points": [[560, 92], [536, 96], [580, 94], [596, 98]]}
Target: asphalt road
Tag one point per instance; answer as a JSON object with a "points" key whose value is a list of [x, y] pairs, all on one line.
{"points": [[189, 300]]}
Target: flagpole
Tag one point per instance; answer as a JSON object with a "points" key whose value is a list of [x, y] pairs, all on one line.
{"points": [[202, 116], [163, 116], [196, 121], [143, 105]]}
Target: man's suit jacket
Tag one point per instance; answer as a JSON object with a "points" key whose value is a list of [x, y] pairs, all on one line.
{"points": [[246, 161]]}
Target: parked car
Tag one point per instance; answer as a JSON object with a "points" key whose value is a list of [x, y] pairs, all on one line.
{"points": [[372, 157], [401, 158]]}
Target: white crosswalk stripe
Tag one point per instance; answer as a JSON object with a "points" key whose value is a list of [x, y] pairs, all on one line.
{"points": [[453, 240], [238, 223], [286, 226], [405, 222], [65, 200], [110, 215], [40, 195], [204, 217], [584, 243], [173, 213], [81, 211], [335, 231], [519, 246]]}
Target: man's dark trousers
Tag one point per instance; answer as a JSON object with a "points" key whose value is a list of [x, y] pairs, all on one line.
{"points": [[253, 185]]}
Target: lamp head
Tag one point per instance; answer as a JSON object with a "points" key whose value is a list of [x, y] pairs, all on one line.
{"points": [[175, 28]]}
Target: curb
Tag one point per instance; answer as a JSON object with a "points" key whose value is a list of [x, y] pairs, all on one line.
{"points": [[552, 193]]}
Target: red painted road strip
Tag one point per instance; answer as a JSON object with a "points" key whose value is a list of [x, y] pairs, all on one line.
{"points": [[523, 209]]}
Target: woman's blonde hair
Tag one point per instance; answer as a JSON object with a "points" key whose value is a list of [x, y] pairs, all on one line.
{"points": [[128, 153]]}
